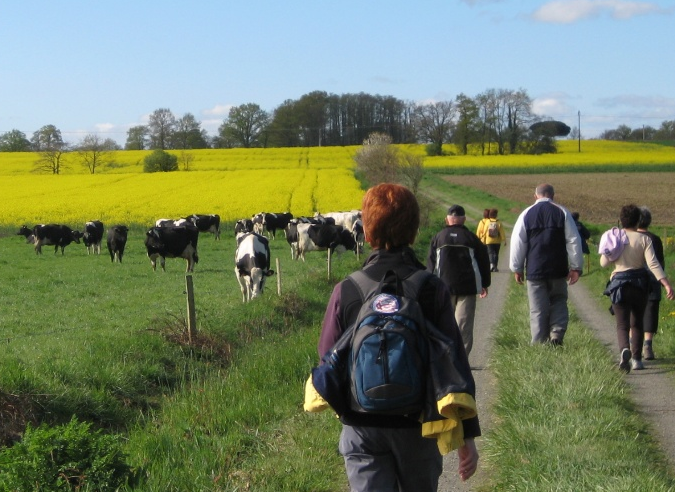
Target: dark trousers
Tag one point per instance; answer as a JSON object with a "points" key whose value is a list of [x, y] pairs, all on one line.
{"points": [[629, 314], [651, 321], [493, 253]]}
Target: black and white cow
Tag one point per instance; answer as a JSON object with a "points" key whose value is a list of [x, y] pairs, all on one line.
{"points": [[27, 232], [359, 235], [172, 222], [344, 219], [206, 223], [271, 222], [172, 242], [243, 225], [55, 235], [291, 230], [92, 236], [117, 241], [322, 237], [252, 264]]}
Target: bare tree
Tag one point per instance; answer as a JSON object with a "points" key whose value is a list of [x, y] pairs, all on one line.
{"points": [[51, 161], [186, 159], [411, 170], [94, 152], [434, 123], [377, 160]]}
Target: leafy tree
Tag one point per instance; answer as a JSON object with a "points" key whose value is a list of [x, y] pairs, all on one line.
{"points": [[161, 126], [434, 124], [160, 161], [666, 131], [188, 134], [47, 138], [14, 141], [284, 128], [137, 138], [551, 128], [244, 126], [468, 123], [95, 152], [622, 132], [644, 134]]}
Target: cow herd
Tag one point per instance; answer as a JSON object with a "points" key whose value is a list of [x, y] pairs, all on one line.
{"points": [[178, 238]]}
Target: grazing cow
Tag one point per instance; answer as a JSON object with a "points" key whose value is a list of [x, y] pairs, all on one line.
{"points": [[26, 232], [292, 235], [55, 235], [344, 219], [323, 237], [252, 264], [206, 223], [271, 222], [92, 236], [117, 241], [172, 242], [359, 236], [172, 223], [243, 225]]}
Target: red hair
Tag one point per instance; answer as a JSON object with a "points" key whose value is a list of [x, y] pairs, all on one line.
{"points": [[391, 216]]}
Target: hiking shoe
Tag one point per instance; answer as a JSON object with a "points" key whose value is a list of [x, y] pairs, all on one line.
{"points": [[636, 365], [556, 342], [647, 352], [624, 361]]}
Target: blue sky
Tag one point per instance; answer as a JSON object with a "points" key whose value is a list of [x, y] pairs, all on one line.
{"points": [[104, 66]]}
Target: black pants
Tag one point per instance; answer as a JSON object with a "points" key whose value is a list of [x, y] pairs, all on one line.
{"points": [[629, 314], [493, 253]]}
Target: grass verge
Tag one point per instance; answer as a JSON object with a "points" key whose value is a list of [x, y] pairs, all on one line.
{"points": [[563, 416]]}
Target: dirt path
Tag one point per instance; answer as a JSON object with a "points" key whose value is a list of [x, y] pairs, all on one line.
{"points": [[651, 388], [487, 316]]}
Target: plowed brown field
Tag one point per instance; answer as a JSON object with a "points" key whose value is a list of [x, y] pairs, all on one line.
{"points": [[597, 197]]}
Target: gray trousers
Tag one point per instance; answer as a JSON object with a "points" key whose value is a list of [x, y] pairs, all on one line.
{"points": [[382, 459], [465, 314], [548, 309]]}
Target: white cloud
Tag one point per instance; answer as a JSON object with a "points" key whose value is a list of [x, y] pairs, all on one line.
{"points": [[569, 11], [218, 110]]}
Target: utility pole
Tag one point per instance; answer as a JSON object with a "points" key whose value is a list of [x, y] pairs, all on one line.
{"points": [[579, 126]]}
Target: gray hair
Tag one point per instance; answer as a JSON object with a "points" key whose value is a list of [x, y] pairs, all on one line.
{"points": [[645, 218]]}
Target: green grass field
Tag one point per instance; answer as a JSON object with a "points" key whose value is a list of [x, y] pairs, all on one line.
{"points": [[106, 342]]}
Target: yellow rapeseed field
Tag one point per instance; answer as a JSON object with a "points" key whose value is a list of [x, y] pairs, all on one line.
{"points": [[237, 183], [232, 183]]}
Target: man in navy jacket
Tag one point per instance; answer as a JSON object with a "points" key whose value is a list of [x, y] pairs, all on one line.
{"points": [[545, 244]]}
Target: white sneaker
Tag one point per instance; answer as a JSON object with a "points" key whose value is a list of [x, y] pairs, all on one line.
{"points": [[636, 365]]}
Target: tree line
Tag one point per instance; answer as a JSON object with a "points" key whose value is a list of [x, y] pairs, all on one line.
{"points": [[665, 132], [496, 121]]}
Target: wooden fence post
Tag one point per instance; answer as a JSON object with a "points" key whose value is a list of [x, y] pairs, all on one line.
{"points": [[192, 317], [278, 278]]}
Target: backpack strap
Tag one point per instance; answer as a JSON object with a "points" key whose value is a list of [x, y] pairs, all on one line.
{"points": [[409, 286]]}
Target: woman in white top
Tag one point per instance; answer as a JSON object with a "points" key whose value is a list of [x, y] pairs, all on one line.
{"points": [[628, 288]]}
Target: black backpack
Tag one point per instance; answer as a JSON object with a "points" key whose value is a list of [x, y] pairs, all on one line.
{"points": [[389, 353]]}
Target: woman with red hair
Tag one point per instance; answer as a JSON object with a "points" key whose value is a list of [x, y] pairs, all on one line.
{"points": [[385, 451]]}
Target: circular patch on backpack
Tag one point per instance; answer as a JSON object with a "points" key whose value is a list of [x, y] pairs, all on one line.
{"points": [[385, 303]]}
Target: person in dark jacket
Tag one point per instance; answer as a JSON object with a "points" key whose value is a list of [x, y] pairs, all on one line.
{"points": [[461, 260], [388, 452], [584, 233], [651, 318], [545, 242]]}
